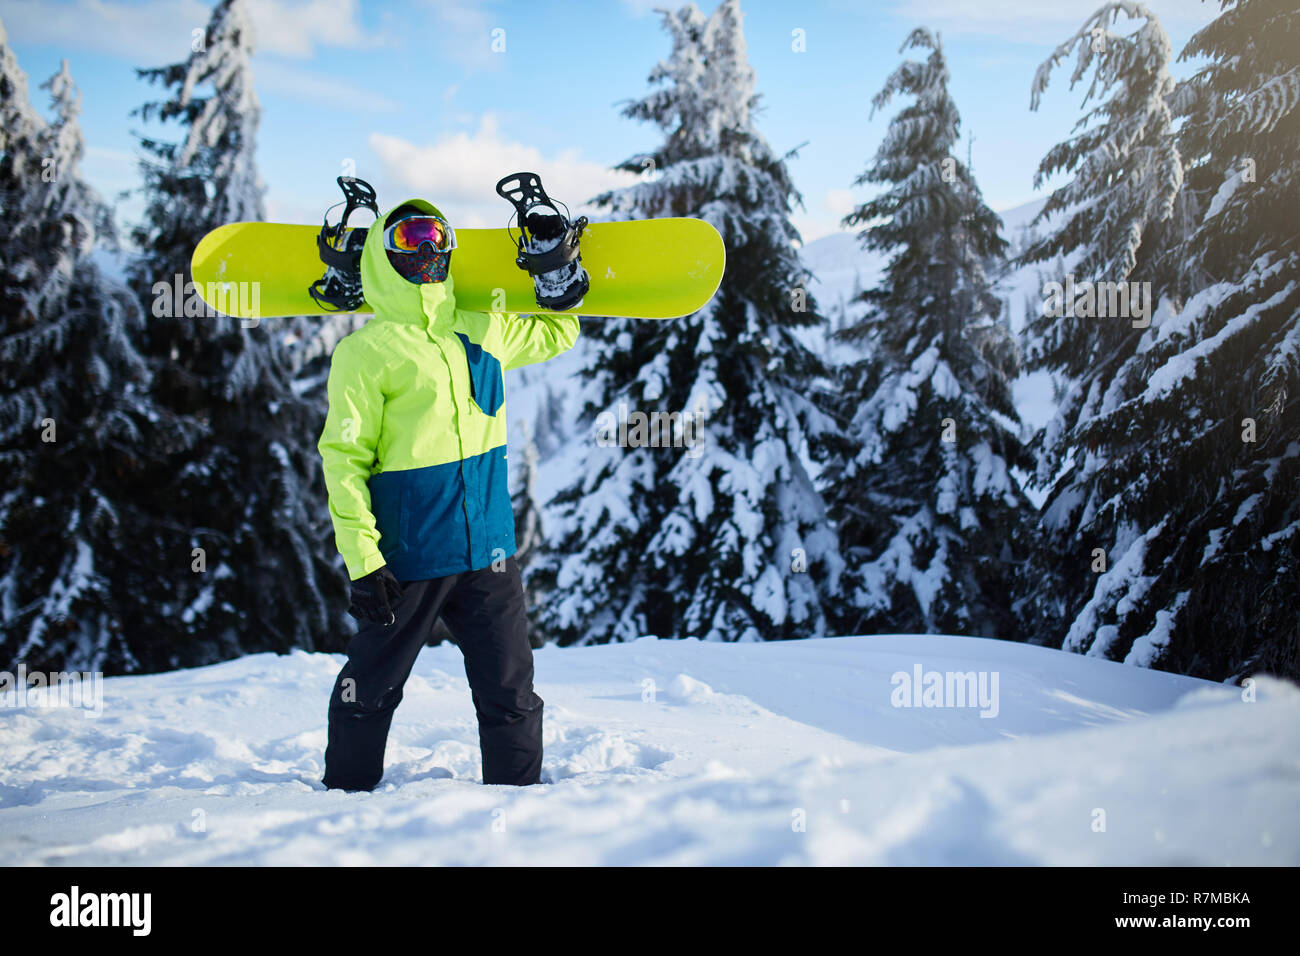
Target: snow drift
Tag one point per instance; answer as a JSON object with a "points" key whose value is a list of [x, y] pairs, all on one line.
{"points": [[676, 752]]}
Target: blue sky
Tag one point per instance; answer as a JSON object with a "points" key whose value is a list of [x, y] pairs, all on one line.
{"points": [[414, 95]]}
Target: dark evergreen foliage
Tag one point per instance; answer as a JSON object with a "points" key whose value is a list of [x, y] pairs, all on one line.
{"points": [[929, 515], [1172, 529], [74, 405], [244, 485], [727, 540]]}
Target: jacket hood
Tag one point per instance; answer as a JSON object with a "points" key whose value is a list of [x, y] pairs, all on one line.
{"points": [[392, 296]]}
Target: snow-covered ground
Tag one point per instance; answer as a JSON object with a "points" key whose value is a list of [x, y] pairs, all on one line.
{"points": [[675, 752]]}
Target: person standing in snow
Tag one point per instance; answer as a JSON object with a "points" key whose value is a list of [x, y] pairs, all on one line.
{"points": [[414, 455]]}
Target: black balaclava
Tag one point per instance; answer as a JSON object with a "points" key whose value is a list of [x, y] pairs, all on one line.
{"points": [[417, 267]]}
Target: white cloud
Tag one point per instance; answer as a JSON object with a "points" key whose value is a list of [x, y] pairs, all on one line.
{"points": [[296, 28], [317, 88], [156, 31], [462, 32], [459, 172], [160, 31], [301, 211]]}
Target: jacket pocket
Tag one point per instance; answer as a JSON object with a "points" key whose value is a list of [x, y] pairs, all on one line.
{"points": [[486, 380]]}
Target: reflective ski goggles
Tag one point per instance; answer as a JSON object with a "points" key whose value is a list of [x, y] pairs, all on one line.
{"points": [[409, 234]]}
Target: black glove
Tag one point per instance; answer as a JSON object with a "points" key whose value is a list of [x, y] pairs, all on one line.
{"points": [[373, 597]]}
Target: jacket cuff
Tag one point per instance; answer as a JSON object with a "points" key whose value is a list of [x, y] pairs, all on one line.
{"points": [[371, 562]]}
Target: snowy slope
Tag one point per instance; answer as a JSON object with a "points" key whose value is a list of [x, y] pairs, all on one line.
{"points": [[840, 267], [675, 752], [838, 263]]}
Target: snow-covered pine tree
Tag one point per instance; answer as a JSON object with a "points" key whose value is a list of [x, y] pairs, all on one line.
{"points": [[1127, 170], [528, 513], [240, 551], [1193, 443], [74, 403], [727, 539], [929, 515], [1121, 217], [552, 423], [529, 531], [22, 144]]}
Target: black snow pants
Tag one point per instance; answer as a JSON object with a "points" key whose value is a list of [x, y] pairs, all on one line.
{"points": [[484, 610]]}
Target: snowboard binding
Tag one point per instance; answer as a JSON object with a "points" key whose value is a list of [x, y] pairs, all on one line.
{"points": [[547, 243], [339, 290]]}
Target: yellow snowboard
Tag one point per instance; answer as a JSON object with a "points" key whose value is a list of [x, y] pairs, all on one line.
{"points": [[646, 269]]}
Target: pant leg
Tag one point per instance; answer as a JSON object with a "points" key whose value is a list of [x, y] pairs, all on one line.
{"points": [[485, 612], [369, 687]]}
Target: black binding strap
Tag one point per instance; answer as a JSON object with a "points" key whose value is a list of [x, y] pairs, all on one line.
{"points": [[336, 259], [525, 192], [565, 252], [339, 290]]}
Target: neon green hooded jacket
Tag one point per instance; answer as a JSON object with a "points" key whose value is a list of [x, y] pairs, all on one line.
{"points": [[414, 445]]}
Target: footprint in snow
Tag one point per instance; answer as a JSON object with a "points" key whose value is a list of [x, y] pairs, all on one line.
{"points": [[589, 750]]}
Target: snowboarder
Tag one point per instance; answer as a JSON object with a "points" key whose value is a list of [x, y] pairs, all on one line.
{"points": [[414, 453]]}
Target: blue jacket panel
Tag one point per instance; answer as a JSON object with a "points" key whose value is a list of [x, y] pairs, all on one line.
{"points": [[444, 519]]}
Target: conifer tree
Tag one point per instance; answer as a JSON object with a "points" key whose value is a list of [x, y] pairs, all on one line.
{"points": [[1127, 170], [1119, 219], [74, 404], [240, 553], [530, 532], [929, 515], [722, 537], [527, 511], [1179, 471]]}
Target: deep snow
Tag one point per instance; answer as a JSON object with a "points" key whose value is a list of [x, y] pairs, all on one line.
{"points": [[673, 752]]}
